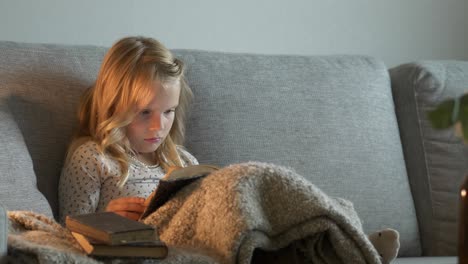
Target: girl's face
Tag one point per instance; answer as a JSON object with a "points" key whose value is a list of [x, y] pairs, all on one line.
{"points": [[152, 124]]}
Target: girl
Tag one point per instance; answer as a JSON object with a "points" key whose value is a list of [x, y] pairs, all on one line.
{"points": [[130, 124]]}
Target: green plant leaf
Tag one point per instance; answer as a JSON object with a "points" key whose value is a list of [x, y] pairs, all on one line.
{"points": [[463, 115], [441, 116]]}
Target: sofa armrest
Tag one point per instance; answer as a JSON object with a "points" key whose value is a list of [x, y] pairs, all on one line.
{"points": [[3, 233]]}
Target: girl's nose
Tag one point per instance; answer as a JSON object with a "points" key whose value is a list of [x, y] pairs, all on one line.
{"points": [[156, 123]]}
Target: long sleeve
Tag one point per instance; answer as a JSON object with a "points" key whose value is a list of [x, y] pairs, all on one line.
{"points": [[80, 182], [89, 180]]}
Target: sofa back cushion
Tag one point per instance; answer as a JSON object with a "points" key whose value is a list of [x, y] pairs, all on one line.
{"points": [[42, 84], [18, 189], [437, 160], [331, 118]]}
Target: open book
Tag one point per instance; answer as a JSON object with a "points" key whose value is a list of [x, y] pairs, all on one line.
{"points": [[173, 181]]}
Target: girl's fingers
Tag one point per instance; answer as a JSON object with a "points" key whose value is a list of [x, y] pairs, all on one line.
{"points": [[127, 214], [147, 201], [132, 204], [126, 207]]}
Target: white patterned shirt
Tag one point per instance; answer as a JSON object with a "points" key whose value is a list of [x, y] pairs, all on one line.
{"points": [[86, 185]]}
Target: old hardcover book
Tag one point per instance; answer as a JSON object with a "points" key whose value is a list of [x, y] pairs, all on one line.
{"points": [[110, 228], [172, 182], [149, 249]]}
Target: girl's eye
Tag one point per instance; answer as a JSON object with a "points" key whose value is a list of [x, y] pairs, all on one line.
{"points": [[169, 111], [145, 112]]}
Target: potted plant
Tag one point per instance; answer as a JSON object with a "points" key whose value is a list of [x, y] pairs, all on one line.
{"points": [[454, 113]]}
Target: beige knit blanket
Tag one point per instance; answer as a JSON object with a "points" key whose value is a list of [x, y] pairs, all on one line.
{"points": [[229, 213], [222, 218], [35, 238]]}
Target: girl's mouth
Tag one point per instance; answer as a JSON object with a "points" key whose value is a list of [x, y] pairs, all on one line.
{"points": [[153, 140]]}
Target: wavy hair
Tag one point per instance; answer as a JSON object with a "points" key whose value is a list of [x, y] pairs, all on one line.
{"points": [[122, 86]]}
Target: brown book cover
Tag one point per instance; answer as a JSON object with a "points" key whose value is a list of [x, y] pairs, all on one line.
{"points": [[149, 249], [110, 228], [174, 180]]}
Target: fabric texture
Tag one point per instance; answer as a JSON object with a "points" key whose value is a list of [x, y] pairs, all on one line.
{"points": [[89, 180], [427, 260], [42, 84], [234, 210], [331, 118], [35, 238], [3, 232], [18, 190], [437, 160]]}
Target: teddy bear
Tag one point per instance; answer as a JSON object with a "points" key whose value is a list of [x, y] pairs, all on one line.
{"points": [[387, 244]]}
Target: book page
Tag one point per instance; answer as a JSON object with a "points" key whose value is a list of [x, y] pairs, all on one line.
{"points": [[172, 182], [189, 172]]}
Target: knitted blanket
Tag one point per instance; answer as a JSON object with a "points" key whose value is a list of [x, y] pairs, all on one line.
{"points": [[35, 238], [233, 211], [223, 218]]}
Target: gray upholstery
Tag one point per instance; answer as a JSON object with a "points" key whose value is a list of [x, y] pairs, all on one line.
{"points": [[331, 118], [42, 85], [426, 260], [3, 231], [437, 160], [18, 190]]}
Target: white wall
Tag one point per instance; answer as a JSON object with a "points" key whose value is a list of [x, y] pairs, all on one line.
{"points": [[396, 31]]}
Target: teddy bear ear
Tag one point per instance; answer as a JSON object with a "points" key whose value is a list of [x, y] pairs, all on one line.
{"points": [[387, 244]]}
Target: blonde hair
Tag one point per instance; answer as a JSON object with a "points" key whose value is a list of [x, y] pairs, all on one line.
{"points": [[123, 85]]}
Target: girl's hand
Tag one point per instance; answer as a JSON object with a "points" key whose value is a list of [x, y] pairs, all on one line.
{"points": [[130, 207], [148, 200]]}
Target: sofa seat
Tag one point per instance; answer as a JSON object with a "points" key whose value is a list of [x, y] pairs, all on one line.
{"points": [[426, 260]]}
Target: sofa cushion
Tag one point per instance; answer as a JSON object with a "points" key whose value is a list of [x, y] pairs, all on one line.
{"points": [[331, 118], [18, 190], [3, 232], [437, 160], [43, 84], [426, 260]]}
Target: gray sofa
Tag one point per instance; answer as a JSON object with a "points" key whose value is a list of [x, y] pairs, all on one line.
{"points": [[351, 126]]}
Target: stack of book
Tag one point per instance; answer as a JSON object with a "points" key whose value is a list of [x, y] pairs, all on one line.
{"points": [[109, 234]]}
